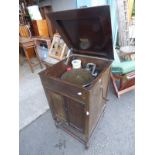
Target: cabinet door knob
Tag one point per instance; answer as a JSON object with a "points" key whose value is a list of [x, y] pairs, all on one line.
{"points": [[87, 113], [79, 93]]}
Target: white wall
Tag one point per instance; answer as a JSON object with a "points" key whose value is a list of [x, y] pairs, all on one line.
{"points": [[83, 3], [59, 5], [90, 3]]}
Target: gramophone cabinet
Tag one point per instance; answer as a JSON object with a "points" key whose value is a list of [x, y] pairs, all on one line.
{"points": [[87, 33]]}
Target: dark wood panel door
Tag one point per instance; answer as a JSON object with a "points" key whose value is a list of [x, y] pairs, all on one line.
{"points": [[57, 105], [75, 113]]}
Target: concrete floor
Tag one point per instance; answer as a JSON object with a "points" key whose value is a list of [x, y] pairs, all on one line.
{"points": [[113, 136], [32, 100]]}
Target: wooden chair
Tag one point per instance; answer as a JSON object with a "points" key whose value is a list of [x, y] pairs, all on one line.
{"points": [[24, 31], [122, 75], [28, 44], [57, 50]]}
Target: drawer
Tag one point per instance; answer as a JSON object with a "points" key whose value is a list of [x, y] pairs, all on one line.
{"points": [[60, 87]]}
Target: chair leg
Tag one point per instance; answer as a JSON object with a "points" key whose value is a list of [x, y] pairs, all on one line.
{"points": [[114, 85], [28, 60], [20, 60], [125, 85], [41, 66]]}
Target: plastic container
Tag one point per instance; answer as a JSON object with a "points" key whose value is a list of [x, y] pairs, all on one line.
{"points": [[43, 52], [76, 64]]}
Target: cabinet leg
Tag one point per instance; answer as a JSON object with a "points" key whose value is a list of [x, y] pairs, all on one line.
{"points": [[28, 60], [57, 124], [87, 145]]}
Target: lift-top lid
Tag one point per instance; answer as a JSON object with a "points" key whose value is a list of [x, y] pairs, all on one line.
{"points": [[86, 30]]}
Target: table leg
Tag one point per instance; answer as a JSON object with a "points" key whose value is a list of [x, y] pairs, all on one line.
{"points": [[38, 57], [28, 60]]}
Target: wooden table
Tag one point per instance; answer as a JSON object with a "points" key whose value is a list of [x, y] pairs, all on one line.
{"points": [[127, 52], [27, 43], [38, 40]]}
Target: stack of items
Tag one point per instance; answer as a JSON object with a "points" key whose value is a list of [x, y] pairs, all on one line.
{"points": [[39, 24], [80, 75], [57, 51]]}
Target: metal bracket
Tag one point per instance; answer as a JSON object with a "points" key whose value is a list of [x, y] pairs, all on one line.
{"points": [[68, 54]]}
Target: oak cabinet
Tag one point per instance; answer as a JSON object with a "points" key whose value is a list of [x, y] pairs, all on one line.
{"points": [[76, 108]]}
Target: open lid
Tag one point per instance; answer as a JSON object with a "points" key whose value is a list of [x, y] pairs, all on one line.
{"points": [[86, 30]]}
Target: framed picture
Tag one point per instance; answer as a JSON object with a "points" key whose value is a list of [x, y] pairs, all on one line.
{"points": [[58, 48]]}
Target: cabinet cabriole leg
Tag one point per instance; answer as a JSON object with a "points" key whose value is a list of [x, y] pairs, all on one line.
{"points": [[87, 145]]}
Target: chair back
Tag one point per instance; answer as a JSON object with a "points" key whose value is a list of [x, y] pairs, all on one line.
{"points": [[24, 31]]}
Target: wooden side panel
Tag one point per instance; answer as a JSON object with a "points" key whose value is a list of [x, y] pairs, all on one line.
{"points": [[40, 28], [98, 100], [35, 28], [75, 114], [57, 105], [95, 106], [105, 83], [46, 10]]}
